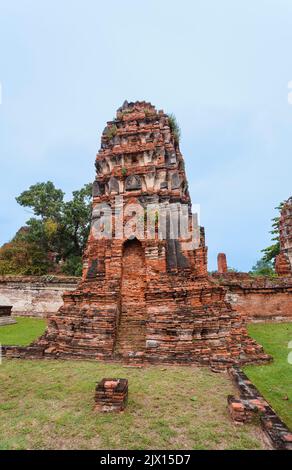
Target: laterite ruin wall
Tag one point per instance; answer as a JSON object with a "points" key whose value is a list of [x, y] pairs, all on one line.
{"points": [[34, 296], [260, 299]]}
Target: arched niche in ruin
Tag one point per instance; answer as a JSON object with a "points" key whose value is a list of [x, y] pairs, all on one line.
{"points": [[133, 182], [113, 185], [131, 328]]}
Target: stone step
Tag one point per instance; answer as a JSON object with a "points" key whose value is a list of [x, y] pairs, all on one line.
{"points": [[7, 321]]}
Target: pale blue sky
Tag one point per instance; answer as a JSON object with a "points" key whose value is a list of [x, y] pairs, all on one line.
{"points": [[221, 67]]}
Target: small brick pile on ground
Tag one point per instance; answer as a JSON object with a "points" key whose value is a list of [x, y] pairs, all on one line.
{"points": [[111, 395], [243, 411]]}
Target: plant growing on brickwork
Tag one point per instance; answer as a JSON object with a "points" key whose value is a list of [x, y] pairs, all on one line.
{"points": [[174, 127], [148, 112], [111, 131], [124, 172]]}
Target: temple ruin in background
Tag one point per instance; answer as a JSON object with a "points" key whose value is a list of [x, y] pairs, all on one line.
{"points": [[145, 297]]}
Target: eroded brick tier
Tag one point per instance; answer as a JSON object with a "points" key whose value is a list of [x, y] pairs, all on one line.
{"points": [[146, 299], [283, 263]]}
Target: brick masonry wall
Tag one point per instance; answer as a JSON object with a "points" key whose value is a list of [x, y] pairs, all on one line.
{"points": [[34, 296], [258, 298]]}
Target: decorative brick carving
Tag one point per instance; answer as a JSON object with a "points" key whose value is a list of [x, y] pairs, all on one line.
{"points": [[113, 185], [133, 182], [147, 298], [96, 189]]}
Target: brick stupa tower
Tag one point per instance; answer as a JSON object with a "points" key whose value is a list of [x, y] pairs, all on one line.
{"points": [[283, 263], [145, 299]]}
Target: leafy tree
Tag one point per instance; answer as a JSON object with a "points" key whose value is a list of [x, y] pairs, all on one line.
{"points": [[273, 250], [73, 266], [76, 221], [45, 200], [263, 268], [21, 257], [57, 227]]}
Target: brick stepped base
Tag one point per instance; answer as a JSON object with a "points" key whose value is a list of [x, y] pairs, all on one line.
{"points": [[7, 321], [187, 321]]}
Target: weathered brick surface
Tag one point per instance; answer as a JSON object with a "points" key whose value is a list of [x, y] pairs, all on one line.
{"points": [[250, 404], [222, 263], [284, 259], [147, 299], [258, 298], [111, 395]]}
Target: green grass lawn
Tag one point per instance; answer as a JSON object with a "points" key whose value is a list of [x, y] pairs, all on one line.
{"points": [[274, 381], [23, 332], [49, 405]]}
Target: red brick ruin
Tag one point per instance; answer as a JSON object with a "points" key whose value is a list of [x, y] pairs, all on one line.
{"points": [[222, 263], [283, 263], [145, 299], [111, 395]]}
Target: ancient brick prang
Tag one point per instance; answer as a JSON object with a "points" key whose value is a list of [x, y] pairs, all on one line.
{"points": [[146, 297], [283, 263]]}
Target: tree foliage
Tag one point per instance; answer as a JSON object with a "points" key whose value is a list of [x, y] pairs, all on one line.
{"points": [[263, 268], [57, 226], [21, 257], [273, 250]]}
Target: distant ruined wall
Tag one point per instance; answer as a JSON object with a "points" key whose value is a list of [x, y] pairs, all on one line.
{"points": [[34, 296], [258, 298]]}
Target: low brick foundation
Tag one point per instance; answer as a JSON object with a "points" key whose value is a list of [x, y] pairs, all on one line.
{"points": [[251, 404], [256, 298], [111, 395]]}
